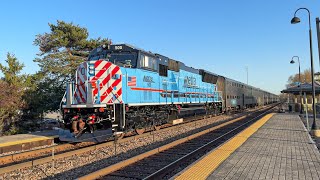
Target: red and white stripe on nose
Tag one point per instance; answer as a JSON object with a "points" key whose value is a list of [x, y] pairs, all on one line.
{"points": [[80, 86], [110, 87]]}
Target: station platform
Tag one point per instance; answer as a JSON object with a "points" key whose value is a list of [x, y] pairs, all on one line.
{"points": [[277, 146], [27, 141]]}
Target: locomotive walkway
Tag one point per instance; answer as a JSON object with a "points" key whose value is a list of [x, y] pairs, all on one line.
{"points": [[280, 149]]}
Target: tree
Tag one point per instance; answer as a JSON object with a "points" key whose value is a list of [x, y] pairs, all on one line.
{"points": [[44, 96], [12, 85], [305, 78], [61, 51], [11, 73]]}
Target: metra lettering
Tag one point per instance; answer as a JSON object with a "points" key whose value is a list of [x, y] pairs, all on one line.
{"points": [[190, 81], [148, 79]]}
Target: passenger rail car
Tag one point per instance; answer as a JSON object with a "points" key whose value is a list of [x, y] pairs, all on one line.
{"points": [[240, 96], [127, 88]]}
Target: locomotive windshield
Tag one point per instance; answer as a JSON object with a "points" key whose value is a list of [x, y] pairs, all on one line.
{"points": [[125, 59]]}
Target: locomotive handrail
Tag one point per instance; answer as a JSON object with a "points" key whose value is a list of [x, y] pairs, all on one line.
{"points": [[60, 106]]}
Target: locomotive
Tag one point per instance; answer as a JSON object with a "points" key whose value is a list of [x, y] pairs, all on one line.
{"points": [[127, 89], [124, 88]]}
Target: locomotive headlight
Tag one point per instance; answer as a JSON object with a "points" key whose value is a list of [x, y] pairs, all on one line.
{"points": [[91, 70]]}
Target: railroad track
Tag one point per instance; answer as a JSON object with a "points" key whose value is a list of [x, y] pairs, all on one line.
{"points": [[16, 158], [41, 156], [164, 162]]}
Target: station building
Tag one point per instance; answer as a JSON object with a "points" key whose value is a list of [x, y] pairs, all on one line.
{"points": [[300, 96]]}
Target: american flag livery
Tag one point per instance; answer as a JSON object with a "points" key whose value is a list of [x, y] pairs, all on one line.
{"points": [[110, 82], [132, 81]]}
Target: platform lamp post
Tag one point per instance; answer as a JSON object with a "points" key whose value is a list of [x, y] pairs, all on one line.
{"points": [[296, 20], [300, 92], [318, 35]]}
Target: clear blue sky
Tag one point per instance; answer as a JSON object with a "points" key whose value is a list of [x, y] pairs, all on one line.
{"points": [[220, 36]]}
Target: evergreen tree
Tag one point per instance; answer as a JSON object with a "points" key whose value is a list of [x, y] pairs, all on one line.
{"points": [[12, 85], [61, 51]]}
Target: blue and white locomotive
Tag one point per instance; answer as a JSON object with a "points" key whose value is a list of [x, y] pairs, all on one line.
{"points": [[127, 88]]}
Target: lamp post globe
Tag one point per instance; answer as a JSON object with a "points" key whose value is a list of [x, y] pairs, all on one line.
{"points": [[295, 20]]}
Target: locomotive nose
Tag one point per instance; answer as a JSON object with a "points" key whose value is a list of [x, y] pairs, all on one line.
{"points": [[107, 82]]}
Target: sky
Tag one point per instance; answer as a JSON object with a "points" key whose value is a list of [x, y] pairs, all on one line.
{"points": [[223, 37]]}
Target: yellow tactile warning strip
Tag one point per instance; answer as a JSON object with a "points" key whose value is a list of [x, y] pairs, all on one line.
{"points": [[204, 167], [26, 141]]}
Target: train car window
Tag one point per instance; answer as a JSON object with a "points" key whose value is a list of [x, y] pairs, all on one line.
{"points": [[163, 70]]}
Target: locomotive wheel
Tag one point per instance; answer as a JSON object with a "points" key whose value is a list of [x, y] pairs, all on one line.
{"points": [[140, 131], [157, 128]]}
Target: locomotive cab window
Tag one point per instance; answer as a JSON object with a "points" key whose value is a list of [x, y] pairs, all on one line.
{"points": [[148, 62], [124, 59]]}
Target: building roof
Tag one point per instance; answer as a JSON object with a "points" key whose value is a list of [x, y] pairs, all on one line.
{"points": [[305, 87]]}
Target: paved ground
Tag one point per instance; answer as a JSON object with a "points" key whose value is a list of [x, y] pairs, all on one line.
{"points": [[310, 120], [280, 149]]}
